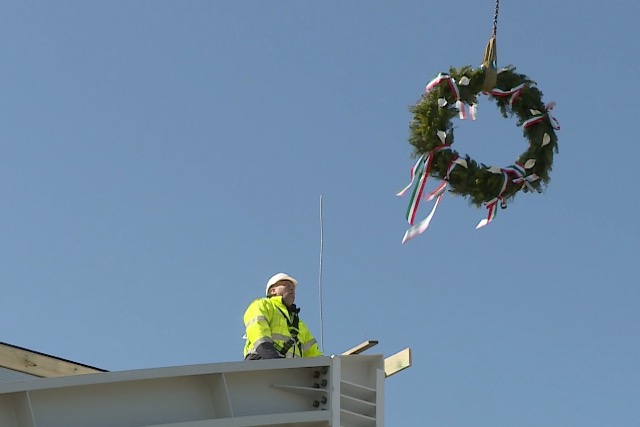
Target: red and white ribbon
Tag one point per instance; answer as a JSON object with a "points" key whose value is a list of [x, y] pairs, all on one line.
{"points": [[436, 81], [513, 93], [532, 121], [439, 79], [439, 189], [473, 109], [461, 109], [521, 177], [492, 205], [554, 123], [460, 105], [443, 185], [455, 161], [540, 117], [527, 180]]}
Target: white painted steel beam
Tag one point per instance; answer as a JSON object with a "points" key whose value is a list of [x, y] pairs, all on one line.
{"points": [[340, 391]]}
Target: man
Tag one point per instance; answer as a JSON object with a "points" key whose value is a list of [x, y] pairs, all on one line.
{"points": [[273, 327]]}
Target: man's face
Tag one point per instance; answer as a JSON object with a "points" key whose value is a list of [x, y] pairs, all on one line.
{"points": [[286, 289]]}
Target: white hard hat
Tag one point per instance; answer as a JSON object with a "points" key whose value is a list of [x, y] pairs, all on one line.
{"points": [[277, 278]]}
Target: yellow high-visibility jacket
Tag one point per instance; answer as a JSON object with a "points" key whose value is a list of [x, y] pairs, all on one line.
{"points": [[265, 321]]}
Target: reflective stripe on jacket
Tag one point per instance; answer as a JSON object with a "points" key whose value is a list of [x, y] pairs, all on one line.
{"points": [[265, 321]]}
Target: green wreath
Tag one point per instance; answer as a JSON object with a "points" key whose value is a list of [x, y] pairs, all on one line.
{"points": [[432, 135]]}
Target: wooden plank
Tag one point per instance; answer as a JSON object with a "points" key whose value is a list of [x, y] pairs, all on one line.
{"points": [[360, 347], [38, 364], [397, 362]]}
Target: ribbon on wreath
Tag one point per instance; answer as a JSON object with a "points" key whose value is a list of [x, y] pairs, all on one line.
{"points": [[554, 122], [439, 79], [418, 189], [421, 227], [421, 171], [459, 105], [539, 116], [521, 176], [463, 113], [455, 161], [513, 93], [415, 170], [492, 205]]}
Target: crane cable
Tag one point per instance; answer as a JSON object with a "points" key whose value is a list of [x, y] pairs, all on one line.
{"points": [[320, 279], [490, 60], [495, 18]]}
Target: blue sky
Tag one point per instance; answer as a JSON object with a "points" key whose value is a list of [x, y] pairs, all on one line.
{"points": [[159, 161]]}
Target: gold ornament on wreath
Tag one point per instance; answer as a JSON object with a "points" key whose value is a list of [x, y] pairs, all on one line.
{"points": [[455, 94]]}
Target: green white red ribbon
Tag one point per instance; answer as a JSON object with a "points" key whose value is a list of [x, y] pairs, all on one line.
{"points": [[420, 171], [519, 173], [421, 227], [419, 188], [414, 170], [521, 176], [417, 191]]}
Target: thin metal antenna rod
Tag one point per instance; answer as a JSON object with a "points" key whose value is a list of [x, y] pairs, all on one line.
{"points": [[320, 280]]}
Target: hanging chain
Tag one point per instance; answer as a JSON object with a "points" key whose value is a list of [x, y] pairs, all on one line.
{"points": [[495, 18]]}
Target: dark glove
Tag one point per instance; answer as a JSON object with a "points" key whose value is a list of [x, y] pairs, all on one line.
{"points": [[266, 350]]}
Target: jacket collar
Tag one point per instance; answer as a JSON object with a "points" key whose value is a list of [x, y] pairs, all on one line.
{"points": [[277, 301]]}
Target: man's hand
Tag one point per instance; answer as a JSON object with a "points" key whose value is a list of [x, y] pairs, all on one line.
{"points": [[268, 351]]}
